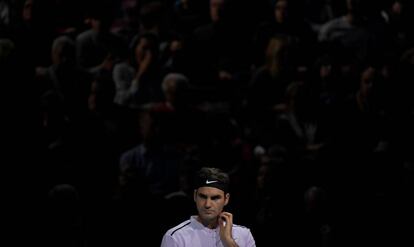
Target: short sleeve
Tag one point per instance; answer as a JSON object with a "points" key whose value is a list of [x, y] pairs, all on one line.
{"points": [[245, 239], [168, 241], [250, 240]]}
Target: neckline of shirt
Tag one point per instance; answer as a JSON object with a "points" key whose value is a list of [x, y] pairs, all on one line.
{"points": [[198, 224]]}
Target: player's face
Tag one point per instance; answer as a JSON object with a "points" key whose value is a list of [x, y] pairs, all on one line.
{"points": [[210, 202]]}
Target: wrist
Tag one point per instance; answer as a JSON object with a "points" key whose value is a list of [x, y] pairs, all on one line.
{"points": [[230, 243]]}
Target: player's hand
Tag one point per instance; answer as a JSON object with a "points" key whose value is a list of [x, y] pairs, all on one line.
{"points": [[226, 226]]}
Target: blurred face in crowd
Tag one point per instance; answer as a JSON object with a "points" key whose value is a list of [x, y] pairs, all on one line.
{"points": [[215, 9], [92, 99], [281, 11], [397, 10], [367, 80], [141, 49], [147, 127], [264, 176], [170, 88], [325, 71], [27, 10]]}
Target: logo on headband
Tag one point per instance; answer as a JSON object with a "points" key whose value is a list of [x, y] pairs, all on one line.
{"points": [[214, 182], [210, 182]]}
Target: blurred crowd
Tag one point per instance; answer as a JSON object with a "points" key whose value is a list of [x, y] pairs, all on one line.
{"points": [[308, 105]]}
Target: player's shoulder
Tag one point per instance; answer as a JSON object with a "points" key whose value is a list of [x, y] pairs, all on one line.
{"points": [[178, 228], [240, 229]]}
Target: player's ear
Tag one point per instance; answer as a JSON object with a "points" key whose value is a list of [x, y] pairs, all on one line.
{"points": [[226, 198], [195, 195]]}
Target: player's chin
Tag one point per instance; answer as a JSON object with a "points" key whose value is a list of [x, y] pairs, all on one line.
{"points": [[209, 215]]}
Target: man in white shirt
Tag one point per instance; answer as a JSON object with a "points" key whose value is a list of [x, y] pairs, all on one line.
{"points": [[212, 226]]}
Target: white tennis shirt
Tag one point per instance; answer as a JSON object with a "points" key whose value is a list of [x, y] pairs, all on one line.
{"points": [[192, 233]]}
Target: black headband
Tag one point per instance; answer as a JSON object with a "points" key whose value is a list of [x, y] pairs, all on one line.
{"points": [[212, 183]]}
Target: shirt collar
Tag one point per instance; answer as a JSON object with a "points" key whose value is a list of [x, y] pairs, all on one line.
{"points": [[198, 225]]}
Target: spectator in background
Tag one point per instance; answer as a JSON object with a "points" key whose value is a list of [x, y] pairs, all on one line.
{"points": [[154, 162], [98, 48], [174, 87], [288, 21], [137, 80], [33, 31], [64, 78], [64, 221], [219, 49], [396, 28], [350, 32]]}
